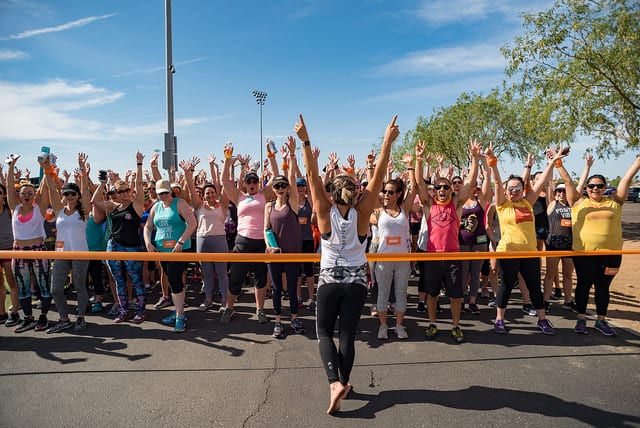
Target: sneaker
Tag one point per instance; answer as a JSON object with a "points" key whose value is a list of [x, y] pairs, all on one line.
{"points": [[43, 323], [383, 332], [311, 305], [297, 327], [401, 332], [226, 315], [474, 309], [485, 293], [422, 308], [181, 324], [122, 317], [492, 303], [499, 327], [547, 306], [464, 310], [570, 306], [62, 325], [81, 324], [604, 328], [262, 316], [581, 326], [527, 308], [546, 327], [205, 305], [374, 311], [277, 331], [431, 331], [115, 310], [557, 294], [27, 324], [12, 320], [457, 334], [133, 303], [139, 318], [413, 273], [4, 318], [163, 302], [171, 319], [96, 307]]}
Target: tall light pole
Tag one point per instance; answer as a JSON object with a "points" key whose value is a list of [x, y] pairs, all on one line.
{"points": [[261, 97], [170, 155]]}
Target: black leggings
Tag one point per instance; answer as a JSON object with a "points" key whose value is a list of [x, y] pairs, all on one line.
{"points": [[174, 271], [598, 271], [530, 270], [344, 303], [239, 270], [96, 270]]}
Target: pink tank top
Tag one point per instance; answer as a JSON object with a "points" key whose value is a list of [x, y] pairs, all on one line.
{"points": [[251, 216], [443, 227]]}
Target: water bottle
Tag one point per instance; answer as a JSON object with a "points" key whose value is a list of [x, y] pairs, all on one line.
{"points": [[271, 238]]}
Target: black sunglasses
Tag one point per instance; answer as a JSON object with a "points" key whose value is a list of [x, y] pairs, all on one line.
{"points": [[252, 181], [457, 182], [120, 192], [69, 193], [594, 185], [442, 186], [279, 186], [389, 192]]}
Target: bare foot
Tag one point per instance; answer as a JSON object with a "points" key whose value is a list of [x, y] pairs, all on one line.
{"points": [[347, 390], [337, 391]]}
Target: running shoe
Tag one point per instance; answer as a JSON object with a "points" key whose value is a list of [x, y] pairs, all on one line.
{"points": [[485, 293], [474, 308], [81, 324], [12, 320], [297, 327], [401, 332], [374, 311], [96, 307], [277, 331], [27, 324], [547, 306], [492, 303], [431, 331], [438, 308], [457, 334], [205, 305], [225, 315], [262, 316], [115, 310], [581, 326], [62, 325], [43, 323], [499, 327], [181, 324], [557, 294], [122, 317], [163, 302], [4, 318], [603, 327], [311, 305], [570, 306], [139, 318], [546, 327], [422, 308], [383, 332], [527, 308], [170, 319]]}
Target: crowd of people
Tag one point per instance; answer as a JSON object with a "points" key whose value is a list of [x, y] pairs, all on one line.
{"points": [[340, 211]]}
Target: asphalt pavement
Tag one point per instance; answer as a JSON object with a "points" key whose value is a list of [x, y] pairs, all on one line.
{"points": [[237, 375]]}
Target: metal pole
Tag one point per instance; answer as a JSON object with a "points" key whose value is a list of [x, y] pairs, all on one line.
{"points": [[261, 97], [170, 154]]}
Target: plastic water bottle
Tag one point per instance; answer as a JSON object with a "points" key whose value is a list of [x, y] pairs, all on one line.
{"points": [[271, 238]]}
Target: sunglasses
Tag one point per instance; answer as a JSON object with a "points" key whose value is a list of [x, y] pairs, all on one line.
{"points": [[561, 191], [594, 185], [120, 192], [279, 186], [70, 193], [457, 182], [442, 186], [514, 188], [252, 181], [26, 194], [388, 192]]}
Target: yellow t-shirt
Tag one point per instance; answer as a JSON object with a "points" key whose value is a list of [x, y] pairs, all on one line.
{"points": [[517, 226], [597, 225]]}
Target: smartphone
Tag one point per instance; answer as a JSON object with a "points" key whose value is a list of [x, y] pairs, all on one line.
{"points": [[272, 147], [565, 150], [102, 175]]}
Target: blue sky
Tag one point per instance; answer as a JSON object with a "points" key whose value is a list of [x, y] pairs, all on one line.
{"points": [[79, 75]]}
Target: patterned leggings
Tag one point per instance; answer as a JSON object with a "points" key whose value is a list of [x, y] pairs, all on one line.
{"points": [[23, 269], [119, 269]]}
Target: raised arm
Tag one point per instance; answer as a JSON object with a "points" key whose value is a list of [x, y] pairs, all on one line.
{"points": [[588, 163], [292, 173], [623, 187], [85, 182], [475, 151], [12, 199], [188, 168], [227, 182], [410, 194], [492, 161], [155, 170], [554, 158], [138, 202]]}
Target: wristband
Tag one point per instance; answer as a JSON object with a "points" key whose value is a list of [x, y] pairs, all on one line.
{"points": [[270, 155], [349, 171], [411, 169], [492, 161], [557, 163], [285, 166], [139, 163], [527, 166], [306, 143], [180, 241]]}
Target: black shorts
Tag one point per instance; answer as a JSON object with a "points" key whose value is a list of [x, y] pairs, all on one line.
{"points": [[444, 274], [414, 228]]}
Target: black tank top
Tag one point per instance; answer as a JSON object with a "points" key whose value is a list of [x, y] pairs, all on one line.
{"points": [[125, 227]]}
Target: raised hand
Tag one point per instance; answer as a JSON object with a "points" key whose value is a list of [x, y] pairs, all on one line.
{"points": [[291, 144], [589, 159], [420, 147], [301, 130], [153, 161], [211, 159], [228, 150], [139, 157], [407, 159], [488, 152], [475, 148], [392, 131], [351, 159]]}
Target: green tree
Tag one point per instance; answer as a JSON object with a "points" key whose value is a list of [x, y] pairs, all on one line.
{"points": [[583, 55]]}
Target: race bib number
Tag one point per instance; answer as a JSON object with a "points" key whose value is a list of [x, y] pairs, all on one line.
{"points": [[169, 243], [303, 220], [481, 239], [393, 240], [565, 222], [59, 245], [611, 271]]}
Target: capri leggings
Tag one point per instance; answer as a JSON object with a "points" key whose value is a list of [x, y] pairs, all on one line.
{"points": [[291, 270], [472, 268], [119, 270], [598, 271], [59, 275], [214, 244], [96, 269], [239, 269], [396, 273], [308, 247], [530, 270], [343, 303], [23, 269], [174, 271]]}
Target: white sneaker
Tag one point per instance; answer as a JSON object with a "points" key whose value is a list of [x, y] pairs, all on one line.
{"points": [[383, 332], [401, 332]]}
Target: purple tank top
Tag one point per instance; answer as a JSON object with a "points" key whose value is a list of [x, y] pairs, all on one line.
{"points": [[472, 226], [285, 226]]}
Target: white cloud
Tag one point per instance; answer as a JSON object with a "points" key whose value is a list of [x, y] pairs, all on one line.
{"points": [[69, 25], [12, 55], [460, 59], [441, 12]]}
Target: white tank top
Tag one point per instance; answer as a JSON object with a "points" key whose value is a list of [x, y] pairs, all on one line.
{"points": [[71, 232], [31, 229], [211, 220], [393, 233], [343, 248]]}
